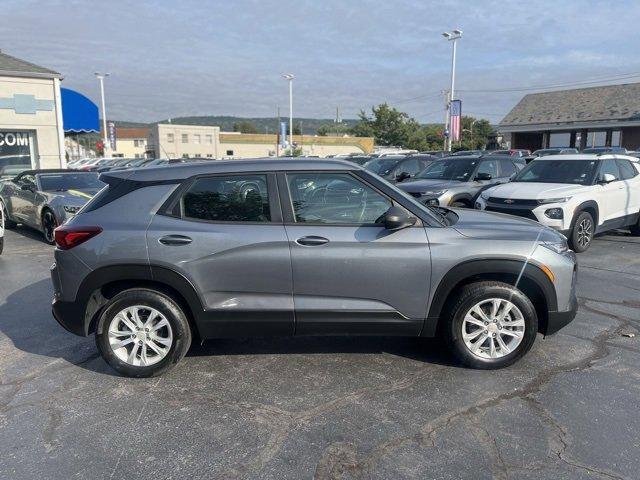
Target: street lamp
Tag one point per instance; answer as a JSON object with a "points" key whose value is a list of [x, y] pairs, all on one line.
{"points": [[101, 77], [290, 77], [452, 37]]}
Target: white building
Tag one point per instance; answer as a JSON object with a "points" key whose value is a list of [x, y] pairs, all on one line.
{"points": [[31, 131]]}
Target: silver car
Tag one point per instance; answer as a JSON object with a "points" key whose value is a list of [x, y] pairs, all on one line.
{"points": [[44, 199], [163, 256], [456, 181]]}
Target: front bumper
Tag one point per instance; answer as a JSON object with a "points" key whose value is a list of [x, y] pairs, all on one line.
{"points": [[531, 212], [559, 320]]}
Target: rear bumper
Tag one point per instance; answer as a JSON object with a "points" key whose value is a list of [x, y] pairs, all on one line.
{"points": [[70, 316]]}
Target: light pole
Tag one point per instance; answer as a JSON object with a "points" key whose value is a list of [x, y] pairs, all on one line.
{"points": [[290, 77], [101, 77], [452, 36]]}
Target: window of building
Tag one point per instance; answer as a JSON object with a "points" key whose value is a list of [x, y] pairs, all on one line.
{"points": [[185, 138], [615, 138], [559, 140], [196, 138], [208, 138], [137, 155], [170, 137], [335, 198], [209, 155], [596, 139], [185, 155], [234, 198], [138, 142], [229, 152]]}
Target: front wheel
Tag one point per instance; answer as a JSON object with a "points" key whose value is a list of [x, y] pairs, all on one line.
{"points": [[582, 233], [492, 325], [142, 333]]}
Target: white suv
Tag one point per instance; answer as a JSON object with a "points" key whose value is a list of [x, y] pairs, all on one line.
{"points": [[578, 195]]}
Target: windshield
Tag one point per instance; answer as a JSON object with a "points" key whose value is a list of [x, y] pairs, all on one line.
{"points": [[59, 182], [577, 172], [381, 166], [459, 169]]}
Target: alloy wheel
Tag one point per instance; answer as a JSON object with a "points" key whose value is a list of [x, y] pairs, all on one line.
{"points": [[140, 336], [493, 328], [585, 231]]}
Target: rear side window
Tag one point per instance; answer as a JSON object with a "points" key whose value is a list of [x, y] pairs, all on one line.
{"points": [[626, 169], [233, 198]]}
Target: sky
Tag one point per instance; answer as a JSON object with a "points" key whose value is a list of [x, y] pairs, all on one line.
{"points": [[182, 58]]}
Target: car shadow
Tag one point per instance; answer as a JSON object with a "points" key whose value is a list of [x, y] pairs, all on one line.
{"points": [[26, 320], [29, 233]]}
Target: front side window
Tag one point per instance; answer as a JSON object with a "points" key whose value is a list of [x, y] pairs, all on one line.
{"points": [[490, 167], [335, 198], [456, 169], [507, 167], [410, 166], [232, 198], [576, 172], [609, 167], [627, 170]]}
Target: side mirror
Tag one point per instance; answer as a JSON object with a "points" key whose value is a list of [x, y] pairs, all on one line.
{"points": [[607, 178], [397, 218], [402, 176], [27, 186], [483, 176]]}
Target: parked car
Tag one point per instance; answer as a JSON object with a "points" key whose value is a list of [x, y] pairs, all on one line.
{"points": [[358, 159], [455, 181], [135, 163], [114, 163], [578, 195], [1, 230], [600, 150], [512, 152], [466, 153], [44, 199], [161, 256], [398, 168], [550, 151], [436, 153], [160, 162]]}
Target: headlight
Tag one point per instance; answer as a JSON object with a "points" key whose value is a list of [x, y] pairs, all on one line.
{"points": [[71, 209], [554, 213], [485, 195], [544, 201], [434, 193], [559, 246]]}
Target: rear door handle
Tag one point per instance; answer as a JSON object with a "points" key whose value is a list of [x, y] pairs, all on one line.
{"points": [[312, 241], [175, 240]]}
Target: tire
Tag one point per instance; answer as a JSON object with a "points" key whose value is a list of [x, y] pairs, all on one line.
{"points": [[8, 224], [49, 224], [162, 348], [521, 321], [459, 204], [635, 228], [582, 232]]}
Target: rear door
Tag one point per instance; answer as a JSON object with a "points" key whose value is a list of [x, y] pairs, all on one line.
{"points": [[224, 233], [350, 274]]}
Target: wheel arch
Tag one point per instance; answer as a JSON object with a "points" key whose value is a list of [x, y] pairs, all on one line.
{"points": [[104, 283], [462, 197], [590, 206], [531, 280]]}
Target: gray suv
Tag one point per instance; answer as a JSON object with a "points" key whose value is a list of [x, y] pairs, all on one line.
{"points": [[457, 181], [162, 256]]}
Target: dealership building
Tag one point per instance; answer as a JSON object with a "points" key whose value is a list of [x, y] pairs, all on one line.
{"points": [[31, 129], [580, 118]]}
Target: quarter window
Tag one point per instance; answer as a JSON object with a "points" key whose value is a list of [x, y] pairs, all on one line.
{"points": [[233, 198], [335, 198]]}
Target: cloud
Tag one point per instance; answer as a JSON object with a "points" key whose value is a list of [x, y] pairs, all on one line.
{"points": [[168, 58]]}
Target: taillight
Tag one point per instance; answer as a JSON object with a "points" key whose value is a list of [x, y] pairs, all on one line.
{"points": [[68, 237]]}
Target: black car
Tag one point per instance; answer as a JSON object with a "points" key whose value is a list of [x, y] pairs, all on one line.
{"points": [[397, 168]]}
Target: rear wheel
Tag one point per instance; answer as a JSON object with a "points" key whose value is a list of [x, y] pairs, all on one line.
{"points": [[582, 233], [492, 325], [49, 224], [142, 333]]}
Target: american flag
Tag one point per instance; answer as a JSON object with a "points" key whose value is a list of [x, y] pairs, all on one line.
{"points": [[456, 116]]}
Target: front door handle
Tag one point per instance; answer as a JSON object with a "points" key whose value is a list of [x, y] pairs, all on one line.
{"points": [[312, 241], [175, 240]]}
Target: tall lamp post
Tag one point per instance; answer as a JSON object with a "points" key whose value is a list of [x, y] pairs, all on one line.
{"points": [[101, 77], [452, 36], [290, 77]]}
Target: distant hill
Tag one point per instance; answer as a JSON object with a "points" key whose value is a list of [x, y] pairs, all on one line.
{"points": [[270, 125]]}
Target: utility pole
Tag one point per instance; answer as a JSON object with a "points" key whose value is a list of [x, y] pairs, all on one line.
{"points": [[445, 94], [452, 36], [290, 77], [105, 139], [278, 129]]}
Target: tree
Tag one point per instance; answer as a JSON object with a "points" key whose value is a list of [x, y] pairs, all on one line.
{"points": [[296, 130], [332, 129], [244, 127]]}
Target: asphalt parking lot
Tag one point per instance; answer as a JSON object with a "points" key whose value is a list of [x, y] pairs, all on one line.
{"points": [[325, 408]]}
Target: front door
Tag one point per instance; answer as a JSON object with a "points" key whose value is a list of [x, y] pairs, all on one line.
{"points": [[224, 233], [613, 193], [350, 274], [22, 201]]}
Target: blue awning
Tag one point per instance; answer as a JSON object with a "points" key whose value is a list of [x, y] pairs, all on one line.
{"points": [[79, 114]]}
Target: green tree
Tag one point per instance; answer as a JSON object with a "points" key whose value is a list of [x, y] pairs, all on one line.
{"points": [[332, 129], [244, 127]]}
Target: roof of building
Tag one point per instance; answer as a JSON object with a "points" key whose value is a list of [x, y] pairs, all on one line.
{"points": [[593, 104], [131, 132], [17, 67]]}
